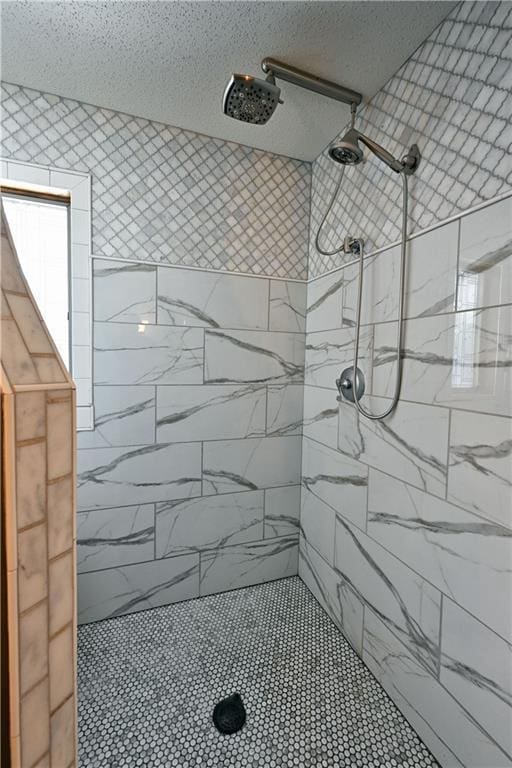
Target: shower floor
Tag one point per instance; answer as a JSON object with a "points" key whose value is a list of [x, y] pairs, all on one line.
{"points": [[148, 683]]}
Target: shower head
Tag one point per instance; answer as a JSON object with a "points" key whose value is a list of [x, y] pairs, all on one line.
{"points": [[348, 152], [253, 100], [250, 99]]}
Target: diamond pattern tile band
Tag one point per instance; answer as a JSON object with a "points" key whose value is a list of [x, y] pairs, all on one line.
{"points": [[148, 684], [453, 97], [168, 195]]}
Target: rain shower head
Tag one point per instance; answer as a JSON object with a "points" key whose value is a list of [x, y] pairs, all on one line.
{"points": [[348, 152], [250, 99], [253, 100]]}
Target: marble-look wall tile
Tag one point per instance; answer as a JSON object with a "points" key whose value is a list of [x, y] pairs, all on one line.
{"points": [[123, 415], [411, 444], [282, 511], [209, 522], [243, 565], [332, 592], [287, 306], [334, 479], [476, 667], [485, 260], [462, 360], [284, 410], [431, 271], [461, 554], [107, 538], [105, 594], [231, 465], [409, 606], [329, 352], [321, 415], [480, 466], [186, 413], [253, 356], [126, 353], [380, 289], [445, 726], [115, 477], [211, 300], [317, 523], [324, 302], [124, 293]]}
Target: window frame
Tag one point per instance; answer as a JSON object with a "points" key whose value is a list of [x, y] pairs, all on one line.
{"points": [[75, 187]]}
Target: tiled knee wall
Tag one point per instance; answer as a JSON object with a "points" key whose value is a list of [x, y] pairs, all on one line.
{"points": [[190, 482], [406, 524]]}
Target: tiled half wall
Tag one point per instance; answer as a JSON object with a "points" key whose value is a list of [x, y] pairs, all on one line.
{"points": [[190, 482], [406, 523]]}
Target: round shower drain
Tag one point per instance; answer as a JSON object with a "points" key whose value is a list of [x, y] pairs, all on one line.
{"points": [[229, 714]]}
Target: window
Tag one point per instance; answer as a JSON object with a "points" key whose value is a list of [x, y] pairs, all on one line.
{"points": [[58, 195], [39, 227]]}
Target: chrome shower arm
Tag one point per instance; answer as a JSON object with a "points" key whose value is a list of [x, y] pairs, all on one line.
{"points": [[312, 83]]}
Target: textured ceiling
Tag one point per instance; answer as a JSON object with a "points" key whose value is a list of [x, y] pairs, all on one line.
{"points": [[170, 61]]}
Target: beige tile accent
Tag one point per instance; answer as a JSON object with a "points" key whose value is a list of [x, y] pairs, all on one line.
{"points": [[31, 328], [59, 421], [32, 566], [61, 667], [38, 667], [62, 734], [44, 762], [5, 310], [60, 516], [35, 725], [61, 592], [31, 483], [15, 357], [30, 415], [11, 274], [48, 369], [33, 646]]}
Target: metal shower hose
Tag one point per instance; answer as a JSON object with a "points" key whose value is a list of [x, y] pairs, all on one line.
{"points": [[401, 292]]}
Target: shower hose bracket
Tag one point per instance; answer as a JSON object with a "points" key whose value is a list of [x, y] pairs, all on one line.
{"points": [[411, 160]]}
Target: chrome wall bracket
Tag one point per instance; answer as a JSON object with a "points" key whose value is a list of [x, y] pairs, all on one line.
{"points": [[411, 160]]}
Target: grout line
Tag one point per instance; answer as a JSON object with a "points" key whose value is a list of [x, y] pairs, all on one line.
{"points": [[457, 267], [190, 268], [407, 319], [470, 512], [268, 307], [206, 328], [448, 441], [439, 638], [440, 406]]}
